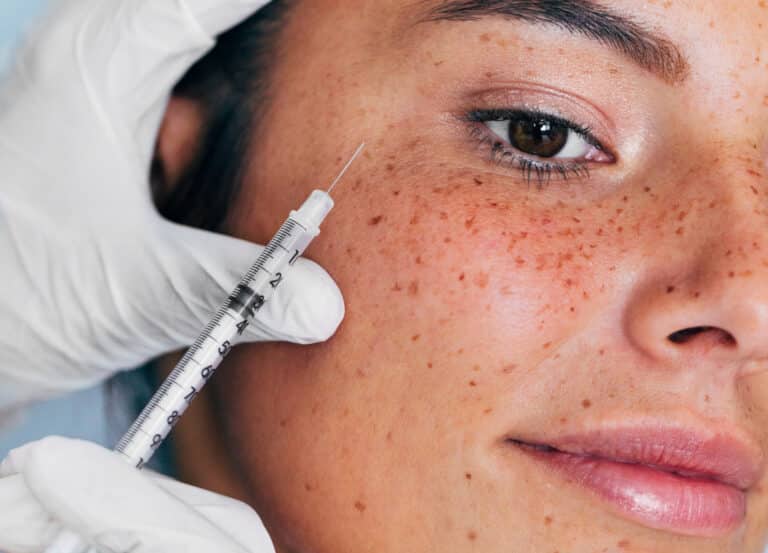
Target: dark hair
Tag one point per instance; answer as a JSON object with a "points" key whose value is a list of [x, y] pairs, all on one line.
{"points": [[231, 86]]}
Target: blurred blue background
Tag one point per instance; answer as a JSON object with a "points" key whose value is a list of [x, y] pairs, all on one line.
{"points": [[15, 16], [81, 415]]}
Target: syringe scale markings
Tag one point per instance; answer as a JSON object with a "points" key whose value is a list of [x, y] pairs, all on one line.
{"points": [[199, 363]]}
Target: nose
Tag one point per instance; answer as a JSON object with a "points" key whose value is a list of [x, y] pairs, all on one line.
{"points": [[705, 298], [719, 317]]}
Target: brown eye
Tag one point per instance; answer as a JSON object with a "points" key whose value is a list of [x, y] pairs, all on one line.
{"points": [[538, 137]]}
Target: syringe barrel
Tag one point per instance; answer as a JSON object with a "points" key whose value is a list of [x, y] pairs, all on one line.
{"points": [[202, 359]]}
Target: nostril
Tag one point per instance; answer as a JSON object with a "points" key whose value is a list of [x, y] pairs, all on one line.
{"points": [[714, 334]]}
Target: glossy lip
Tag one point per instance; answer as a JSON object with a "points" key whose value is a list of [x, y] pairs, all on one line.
{"points": [[695, 481]]}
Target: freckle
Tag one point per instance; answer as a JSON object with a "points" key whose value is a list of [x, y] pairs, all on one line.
{"points": [[308, 486], [547, 520], [418, 260], [471, 535], [478, 182], [625, 199], [586, 404], [389, 436], [395, 192], [462, 276], [670, 289], [413, 288], [679, 231], [647, 189], [414, 220], [568, 282], [546, 346], [563, 420], [485, 37], [507, 369], [415, 337], [519, 261], [397, 287], [447, 240], [623, 544], [573, 309], [360, 506], [487, 411], [706, 398], [731, 274], [443, 215], [489, 75], [754, 190], [472, 383], [375, 220], [585, 295], [390, 167], [429, 365], [468, 475], [481, 280]]}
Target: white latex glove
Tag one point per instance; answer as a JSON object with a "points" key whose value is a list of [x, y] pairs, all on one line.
{"points": [[92, 280], [113, 506]]}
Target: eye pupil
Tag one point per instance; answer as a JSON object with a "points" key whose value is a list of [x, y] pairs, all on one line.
{"points": [[539, 137]]}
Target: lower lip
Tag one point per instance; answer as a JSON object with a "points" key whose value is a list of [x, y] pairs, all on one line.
{"points": [[652, 497]]}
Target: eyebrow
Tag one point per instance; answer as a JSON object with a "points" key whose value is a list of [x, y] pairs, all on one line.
{"points": [[650, 51]]}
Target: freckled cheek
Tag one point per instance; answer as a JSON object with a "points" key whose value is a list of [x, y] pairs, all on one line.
{"points": [[428, 273]]}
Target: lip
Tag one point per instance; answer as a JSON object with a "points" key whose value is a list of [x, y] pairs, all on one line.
{"points": [[663, 477]]}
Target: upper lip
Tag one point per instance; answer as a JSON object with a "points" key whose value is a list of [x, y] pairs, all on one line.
{"points": [[689, 452]]}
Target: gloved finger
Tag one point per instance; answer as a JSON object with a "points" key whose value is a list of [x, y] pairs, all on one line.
{"points": [[127, 55], [94, 493], [307, 306], [25, 525]]}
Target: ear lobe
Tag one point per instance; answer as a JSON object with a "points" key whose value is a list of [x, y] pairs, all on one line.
{"points": [[178, 143]]}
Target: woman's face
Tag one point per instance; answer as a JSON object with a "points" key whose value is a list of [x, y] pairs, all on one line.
{"points": [[556, 236]]}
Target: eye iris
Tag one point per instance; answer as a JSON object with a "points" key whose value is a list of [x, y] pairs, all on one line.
{"points": [[539, 137]]}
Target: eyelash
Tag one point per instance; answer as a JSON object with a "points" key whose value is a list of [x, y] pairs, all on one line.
{"points": [[529, 166]]}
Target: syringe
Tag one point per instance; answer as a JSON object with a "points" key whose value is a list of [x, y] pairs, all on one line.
{"points": [[200, 362]]}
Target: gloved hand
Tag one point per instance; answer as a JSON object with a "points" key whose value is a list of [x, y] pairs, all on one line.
{"points": [[92, 280], [115, 507]]}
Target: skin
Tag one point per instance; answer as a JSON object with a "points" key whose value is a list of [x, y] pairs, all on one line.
{"points": [[481, 306]]}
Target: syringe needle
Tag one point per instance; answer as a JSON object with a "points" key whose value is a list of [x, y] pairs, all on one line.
{"points": [[346, 167]]}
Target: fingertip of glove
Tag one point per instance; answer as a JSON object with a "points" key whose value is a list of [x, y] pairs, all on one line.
{"points": [[311, 304]]}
